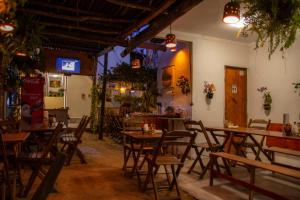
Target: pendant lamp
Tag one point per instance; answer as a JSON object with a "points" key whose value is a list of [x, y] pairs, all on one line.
{"points": [[170, 40], [231, 13]]}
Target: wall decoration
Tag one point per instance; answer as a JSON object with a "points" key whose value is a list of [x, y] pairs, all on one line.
{"points": [[209, 90], [184, 84], [167, 76], [55, 85]]}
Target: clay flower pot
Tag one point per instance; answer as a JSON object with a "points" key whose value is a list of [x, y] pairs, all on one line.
{"points": [[210, 95], [267, 107]]}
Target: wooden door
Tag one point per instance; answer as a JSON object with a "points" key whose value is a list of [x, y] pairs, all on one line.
{"points": [[236, 95]]}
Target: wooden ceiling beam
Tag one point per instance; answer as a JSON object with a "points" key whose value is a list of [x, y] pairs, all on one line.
{"points": [[130, 5], [64, 8], [75, 48], [148, 45], [72, 18], [100, 41], [151, 16], [161, 23], [80, 28]]}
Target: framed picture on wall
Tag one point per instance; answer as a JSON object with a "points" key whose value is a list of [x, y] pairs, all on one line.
{"points": [[167, 77]]}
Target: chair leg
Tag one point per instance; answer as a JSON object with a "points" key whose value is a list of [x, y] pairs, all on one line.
{"points": [[175, 181], [31, 180], [167, 174], [198, 158], [81, 156], [150, 168], [211, 167], [154, 185], [204, 170], [126, 158]]}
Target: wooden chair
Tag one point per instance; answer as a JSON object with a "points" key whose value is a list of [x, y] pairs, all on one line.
{"points": [[199, 148], [37, 159], [70, 143], [185, 139], [259, 124], [47, 183], [7, 176]]}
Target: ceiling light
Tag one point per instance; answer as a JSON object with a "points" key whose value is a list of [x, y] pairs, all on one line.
{"points": [[21, 53], [170, 40], [231, 13], [239, 24], [173, 49], [7, 27]]}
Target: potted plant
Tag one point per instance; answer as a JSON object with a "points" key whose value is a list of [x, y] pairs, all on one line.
{"points": [[184, 84], [296, 86], [209, 89], [275, 22], [267, 98]]}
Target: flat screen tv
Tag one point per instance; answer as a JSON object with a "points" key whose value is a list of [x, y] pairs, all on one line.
{"points": [[68, 65]]}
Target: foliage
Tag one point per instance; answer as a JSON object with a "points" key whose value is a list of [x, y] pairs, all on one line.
{"points": [[144, 78], [95, 102], [26, 38], [266, 95], [296, 86], [184, 84], [274, 21]]}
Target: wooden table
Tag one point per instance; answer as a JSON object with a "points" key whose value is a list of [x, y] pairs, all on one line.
{"points": [[250, 132], [15, 137], [138, 137]]}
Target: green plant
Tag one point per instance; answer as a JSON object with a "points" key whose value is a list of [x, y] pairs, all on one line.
{"points": [[296, 86], [184, 84], [274, 21], [266, 96]]}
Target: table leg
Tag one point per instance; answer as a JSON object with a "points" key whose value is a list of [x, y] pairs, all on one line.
{"points": [[259, 146]]}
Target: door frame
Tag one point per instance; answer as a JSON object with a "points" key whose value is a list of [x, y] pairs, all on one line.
{"points": [[246, 90]]}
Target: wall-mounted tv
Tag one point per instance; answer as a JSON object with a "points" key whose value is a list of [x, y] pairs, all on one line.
{"points": [[68, 65]]}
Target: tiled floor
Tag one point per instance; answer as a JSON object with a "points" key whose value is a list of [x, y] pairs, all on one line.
{"points": [[102, 178]]}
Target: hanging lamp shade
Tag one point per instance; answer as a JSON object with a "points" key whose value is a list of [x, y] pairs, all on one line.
{"points": [[231, 13], [7, 27], [170, 40], [136, 63]]}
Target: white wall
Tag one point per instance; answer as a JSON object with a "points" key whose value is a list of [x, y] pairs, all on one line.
{"points": [[277, 74], [209, 57]]}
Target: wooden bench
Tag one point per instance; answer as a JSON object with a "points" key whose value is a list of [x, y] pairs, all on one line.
{"points": [[251, 165], [273, 150]]}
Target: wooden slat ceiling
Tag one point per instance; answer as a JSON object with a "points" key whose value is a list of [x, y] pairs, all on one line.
{"points": [[95, 25]]}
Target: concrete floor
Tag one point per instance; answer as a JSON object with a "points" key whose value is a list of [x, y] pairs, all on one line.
{"points": [[102, 178]]}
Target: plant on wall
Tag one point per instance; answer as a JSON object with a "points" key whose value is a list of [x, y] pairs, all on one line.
{"points": [[274, 21], [267, 97], [296, 87], [209, 90], [184, 85]]}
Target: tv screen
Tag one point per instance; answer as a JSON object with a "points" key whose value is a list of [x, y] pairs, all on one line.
{"points": [[68, 65]]}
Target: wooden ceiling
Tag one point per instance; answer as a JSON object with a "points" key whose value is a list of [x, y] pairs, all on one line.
{"points": [[96, 25]]}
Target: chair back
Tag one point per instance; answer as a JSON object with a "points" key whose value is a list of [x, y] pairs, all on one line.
{"points": [[197, 126], [52, 140], [185, 139], [275, 127], [47, 183], [80, 132], [80, 125], [260, 124]]}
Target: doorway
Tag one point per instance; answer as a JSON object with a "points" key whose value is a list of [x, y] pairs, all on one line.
{"points": [[236, 95]]}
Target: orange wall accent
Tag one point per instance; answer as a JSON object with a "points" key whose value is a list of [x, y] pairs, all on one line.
{"points": [[87, 66]]}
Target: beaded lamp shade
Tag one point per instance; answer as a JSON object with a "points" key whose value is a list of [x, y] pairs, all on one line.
{"points": [[170, 40]]}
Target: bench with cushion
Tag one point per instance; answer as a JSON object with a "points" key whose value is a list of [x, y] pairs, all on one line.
{"points": [[251, 165]]}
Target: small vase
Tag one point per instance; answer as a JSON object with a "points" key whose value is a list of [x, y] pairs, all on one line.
{"points": [[210, 95], [267, 107]]}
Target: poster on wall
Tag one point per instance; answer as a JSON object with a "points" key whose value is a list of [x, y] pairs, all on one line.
{"points": [[32, 101], [167, 77]]}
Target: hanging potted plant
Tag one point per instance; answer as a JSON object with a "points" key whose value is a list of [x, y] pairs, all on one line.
{"points": [[274, 21], [209, 90], [267, 98]]}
